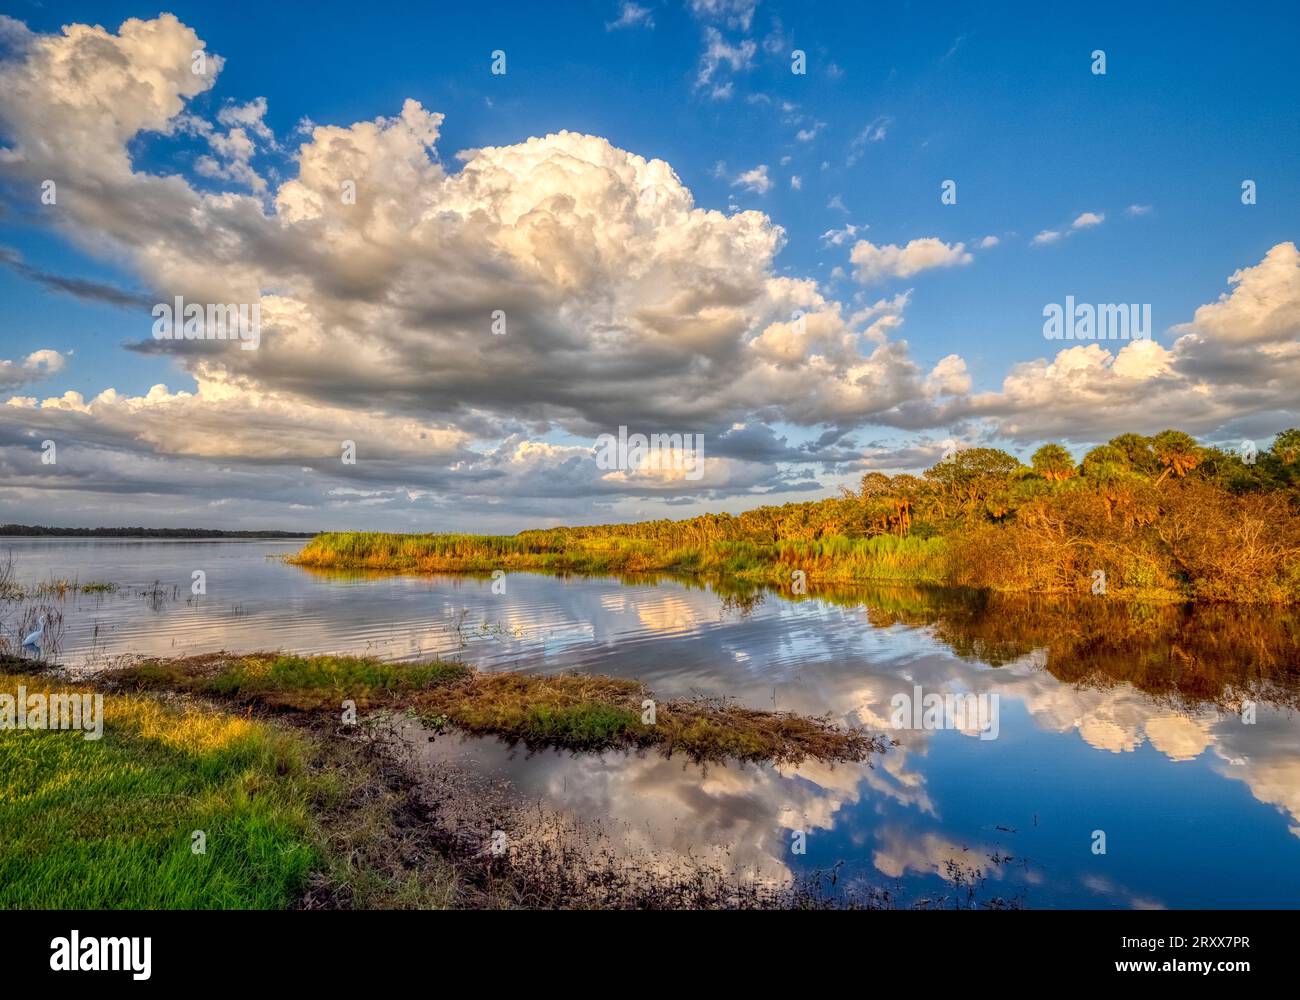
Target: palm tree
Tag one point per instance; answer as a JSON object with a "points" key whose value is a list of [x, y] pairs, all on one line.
{"points": [[1286, 446], [1177, 452], [1053, 463], [1107, 468], [1137, 452]]}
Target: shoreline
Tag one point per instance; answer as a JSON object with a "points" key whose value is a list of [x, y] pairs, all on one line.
{"points": [[789, 565], [359, 823]]}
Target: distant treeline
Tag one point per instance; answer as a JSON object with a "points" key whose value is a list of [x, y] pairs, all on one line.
{"points": [[1158, 517], [37, 529]]}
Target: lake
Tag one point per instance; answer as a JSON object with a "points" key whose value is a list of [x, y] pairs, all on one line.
{"points": [[1171, 732]]}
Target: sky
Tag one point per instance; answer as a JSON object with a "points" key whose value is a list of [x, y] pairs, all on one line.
{"points": [[820, 273]]}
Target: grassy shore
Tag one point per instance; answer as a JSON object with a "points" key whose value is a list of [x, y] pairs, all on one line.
{"points": [[580, 712], [295, 808], [289, 814], [110, 822], [837, 559]]}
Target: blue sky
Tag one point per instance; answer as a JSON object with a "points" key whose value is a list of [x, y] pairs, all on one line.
{"points": [[894, 102]]}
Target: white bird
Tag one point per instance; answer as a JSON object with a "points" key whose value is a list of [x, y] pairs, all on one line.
{"points": [[33, 641]]}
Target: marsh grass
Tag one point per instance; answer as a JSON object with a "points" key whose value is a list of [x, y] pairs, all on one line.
{"points": [[59, 589], [834, 558], [309, 682], [578, 712]]}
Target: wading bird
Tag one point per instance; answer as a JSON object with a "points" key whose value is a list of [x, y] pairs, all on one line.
{"points": [[32, 644]]}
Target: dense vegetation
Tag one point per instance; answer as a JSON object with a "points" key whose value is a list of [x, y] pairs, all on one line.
{"points": [[1147, 517]]}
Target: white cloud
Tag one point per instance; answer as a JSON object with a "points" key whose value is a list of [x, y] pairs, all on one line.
{"points": [[1088, 219], [1045, 237], [1263, 307], [875, 263], [626, 303], [37, 365], [719, 53], [250, 116], [755, 180], [1238, 356], [631, 15], [875, 131], [234, 151], [838, 237], [737, 14], [949, 377]]}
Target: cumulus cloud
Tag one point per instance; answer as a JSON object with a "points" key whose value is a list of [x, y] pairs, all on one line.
{"points": [[876, 263], [1239, 356], [249, 116], [623, 302], [199, 424], [37, 365], [949, 377], [755, 180], [1087, 220]]}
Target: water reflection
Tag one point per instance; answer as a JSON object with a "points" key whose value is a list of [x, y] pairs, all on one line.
{"points": [[1116, 717]]}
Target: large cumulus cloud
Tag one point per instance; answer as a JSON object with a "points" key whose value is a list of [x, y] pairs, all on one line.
{"points": [[1234, 367], [385, 278], [448, 313]]}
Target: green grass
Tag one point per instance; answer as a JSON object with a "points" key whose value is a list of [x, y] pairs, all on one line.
{"points": [[362, 679], [108, 823], [292, 817], [587, 724]]}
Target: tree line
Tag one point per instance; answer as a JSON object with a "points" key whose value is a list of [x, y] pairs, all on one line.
{"points": [[1158, 515]]}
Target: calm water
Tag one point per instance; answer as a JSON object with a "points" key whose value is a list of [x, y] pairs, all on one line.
{"points": [[1110, 718]]}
